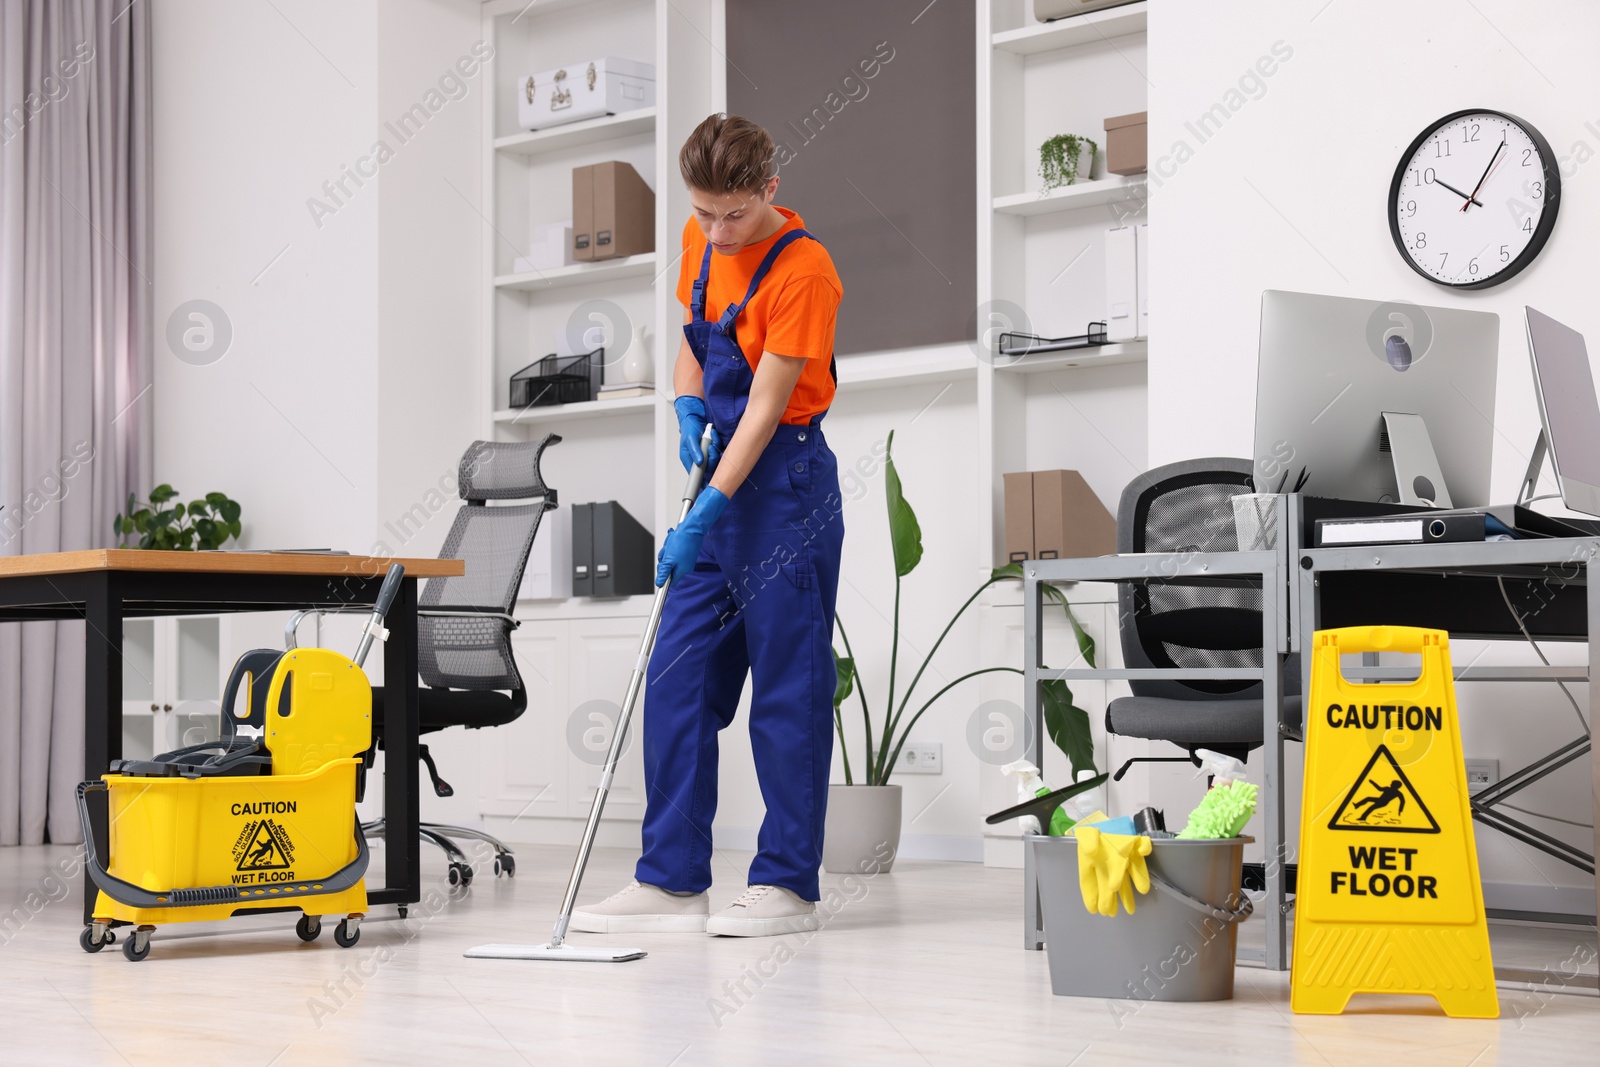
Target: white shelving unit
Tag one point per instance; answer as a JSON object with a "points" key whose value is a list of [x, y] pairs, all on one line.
{"points": [[172, 678], [577, 134], [640, 266], [1083, 29], [1041, 261], [1112, 190]]}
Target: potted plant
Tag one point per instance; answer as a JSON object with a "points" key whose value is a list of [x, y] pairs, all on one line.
{"points": [[207, 523], [863, 819], [1061, 160]]}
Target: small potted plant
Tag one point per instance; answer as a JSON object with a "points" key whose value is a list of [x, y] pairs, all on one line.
{"points": [[166, 523], [862, 828], [1062, 160]]}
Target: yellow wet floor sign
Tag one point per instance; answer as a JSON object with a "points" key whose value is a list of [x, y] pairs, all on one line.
{"points": [[1389, 898]]}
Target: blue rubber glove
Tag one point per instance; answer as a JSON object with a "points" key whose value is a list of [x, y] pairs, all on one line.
{"points": [[682, 546], [691, 425]]}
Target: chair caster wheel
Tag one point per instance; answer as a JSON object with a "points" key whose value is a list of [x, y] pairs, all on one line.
{"points": [[308, 927], [460, 874], [347, 933], [505, 865], [137, 947]]}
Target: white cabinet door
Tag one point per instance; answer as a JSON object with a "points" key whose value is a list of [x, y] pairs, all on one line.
{"points": [[524, 771], [602, 657]]}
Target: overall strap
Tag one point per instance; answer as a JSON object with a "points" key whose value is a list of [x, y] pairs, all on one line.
{"points": [[697, 303], [725, 323]]}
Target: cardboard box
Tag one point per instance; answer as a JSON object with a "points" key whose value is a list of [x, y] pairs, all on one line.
{"points": [[1055, 515], [613, 212], [1127, 143]]}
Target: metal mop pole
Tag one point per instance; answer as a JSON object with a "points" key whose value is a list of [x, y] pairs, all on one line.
{"points": [[635, 683]]}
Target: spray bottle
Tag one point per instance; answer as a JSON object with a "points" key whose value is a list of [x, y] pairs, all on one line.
{"points": [[1030, 785], [1227, 805]]}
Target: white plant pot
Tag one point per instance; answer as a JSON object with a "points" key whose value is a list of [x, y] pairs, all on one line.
{"points": [[861, 834]]}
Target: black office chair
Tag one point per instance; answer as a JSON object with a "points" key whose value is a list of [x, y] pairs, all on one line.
{"points": [[1188, 506], [464, 624]]}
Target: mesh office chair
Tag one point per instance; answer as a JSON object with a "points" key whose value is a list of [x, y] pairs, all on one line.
{"points": [[464, 624], [1180, 507]]}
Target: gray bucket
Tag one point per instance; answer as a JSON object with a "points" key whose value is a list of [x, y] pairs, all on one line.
{"points": [[1177, 945]]}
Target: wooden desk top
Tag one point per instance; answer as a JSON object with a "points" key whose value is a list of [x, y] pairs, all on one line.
{"points": [[134, 559]]}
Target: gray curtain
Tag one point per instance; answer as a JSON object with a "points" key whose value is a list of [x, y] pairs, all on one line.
{"points": [[75, 353]]}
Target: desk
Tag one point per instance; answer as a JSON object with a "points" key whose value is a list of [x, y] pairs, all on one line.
{"points": [[1265, 570], [1547, 578], [105, 586], [1441, 586]]}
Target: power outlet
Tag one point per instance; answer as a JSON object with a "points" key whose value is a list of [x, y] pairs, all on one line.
{"points": [[1481, 774], [921, 757]]}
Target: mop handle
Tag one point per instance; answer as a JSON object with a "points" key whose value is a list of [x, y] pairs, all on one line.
{"points": [[635, 683], [374, 628]]}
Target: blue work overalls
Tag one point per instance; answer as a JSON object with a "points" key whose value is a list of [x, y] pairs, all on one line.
{"points": [[760, 601]]}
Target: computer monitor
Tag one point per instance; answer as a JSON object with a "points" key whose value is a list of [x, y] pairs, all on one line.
{"points": [[1331, 367], [1568, 409]]}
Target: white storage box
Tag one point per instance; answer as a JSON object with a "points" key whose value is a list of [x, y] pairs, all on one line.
{"points": [[551, 248], [581, 91]]}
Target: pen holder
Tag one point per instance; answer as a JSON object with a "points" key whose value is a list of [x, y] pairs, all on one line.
{"points": [[1255, 521]]}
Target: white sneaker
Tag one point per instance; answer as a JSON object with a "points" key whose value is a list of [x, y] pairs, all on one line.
{"points": [[642, 908], [762, 911]]}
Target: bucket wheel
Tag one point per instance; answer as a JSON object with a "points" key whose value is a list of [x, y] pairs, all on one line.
{"points": [[96, 936], [348, 932], [137, 947], [308, 927]]}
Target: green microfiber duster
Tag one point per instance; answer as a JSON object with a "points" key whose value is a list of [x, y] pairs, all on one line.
{"points": [[1223, 812]]}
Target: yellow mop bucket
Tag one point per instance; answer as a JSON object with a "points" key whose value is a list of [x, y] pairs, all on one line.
{"points": [[245, 824]]}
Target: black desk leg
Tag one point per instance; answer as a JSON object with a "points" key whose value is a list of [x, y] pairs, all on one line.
{"points": [[102, 712], [401, 804]]}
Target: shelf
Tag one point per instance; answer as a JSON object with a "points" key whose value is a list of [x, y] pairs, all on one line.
{"points": [[1079, 29], [590, 131], [588, 409], [642, 266], [904, 368], [1071, 197], [1099, 356]]}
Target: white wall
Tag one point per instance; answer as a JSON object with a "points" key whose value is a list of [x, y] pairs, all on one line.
{"points": [[339, 411], [1290, 194]]}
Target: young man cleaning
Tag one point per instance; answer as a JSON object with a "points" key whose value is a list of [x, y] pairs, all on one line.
{"points": [[754, 566]]}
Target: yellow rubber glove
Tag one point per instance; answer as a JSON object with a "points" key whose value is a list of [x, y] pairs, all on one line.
{"points": [[1111, 866]]}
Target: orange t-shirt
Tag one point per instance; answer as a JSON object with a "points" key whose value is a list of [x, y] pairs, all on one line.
{"points": [[793, 312]]}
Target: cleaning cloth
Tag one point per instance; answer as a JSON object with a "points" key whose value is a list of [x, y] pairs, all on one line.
{"points": [[1110, 866], [1223, 812]]}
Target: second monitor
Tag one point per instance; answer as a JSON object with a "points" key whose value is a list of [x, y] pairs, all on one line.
{"points": [[1345, 385]]}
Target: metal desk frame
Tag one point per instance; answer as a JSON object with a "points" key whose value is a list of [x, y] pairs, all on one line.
{"points": [[1574, 562], [1269, 570]]}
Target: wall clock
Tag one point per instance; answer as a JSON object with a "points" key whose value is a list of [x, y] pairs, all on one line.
{"points": [[1474, 199]]}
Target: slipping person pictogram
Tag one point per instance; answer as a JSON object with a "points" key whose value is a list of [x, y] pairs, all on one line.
{"points": [[1395, 807]]}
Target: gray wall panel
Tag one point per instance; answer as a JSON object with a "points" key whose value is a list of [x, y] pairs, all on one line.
{"points": [[882, 168]]}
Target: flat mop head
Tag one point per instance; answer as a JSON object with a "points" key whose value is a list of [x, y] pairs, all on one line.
{"points": [[569, 953]]}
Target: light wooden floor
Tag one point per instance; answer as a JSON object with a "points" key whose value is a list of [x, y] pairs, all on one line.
{"points": [[923, 967]]}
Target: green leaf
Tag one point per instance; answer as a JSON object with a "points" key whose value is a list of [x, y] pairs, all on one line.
{"points": [[234, 527], [1068, 725], [844, 670], [904, 532], [216, 500], [162, 493], [207, 529], [230, 510], [179, 511], [1086, 645], [199, 507], [1085, 642]]}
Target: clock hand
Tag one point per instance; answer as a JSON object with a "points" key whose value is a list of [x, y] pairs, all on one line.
{"points": [[1486, 171], [1458, 192]]}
